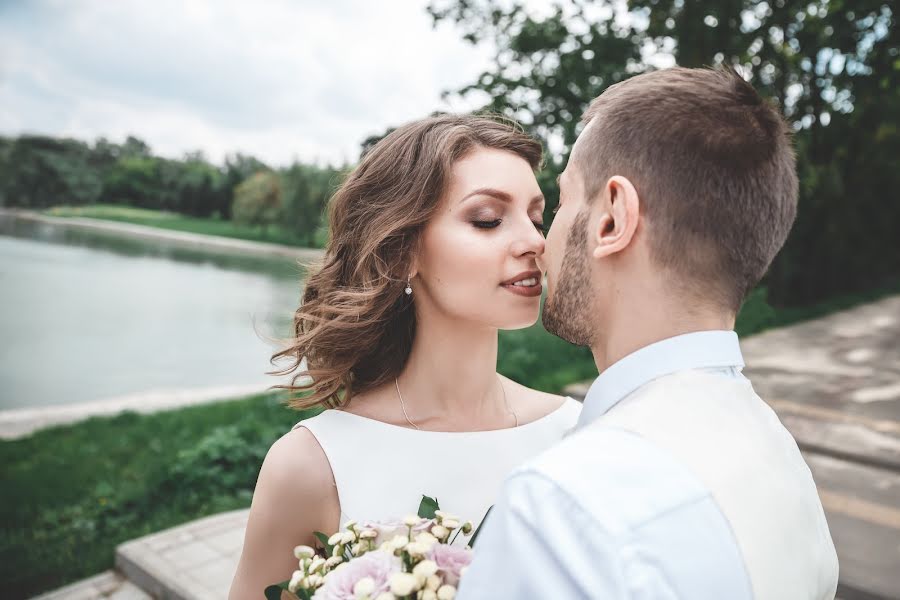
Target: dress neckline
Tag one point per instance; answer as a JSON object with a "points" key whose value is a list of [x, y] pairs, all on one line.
{"points": [[456, 434]]}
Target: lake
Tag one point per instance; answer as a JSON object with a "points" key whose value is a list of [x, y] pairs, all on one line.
{"points": [[86, 316]]}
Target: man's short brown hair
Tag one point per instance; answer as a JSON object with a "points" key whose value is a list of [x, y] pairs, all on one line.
{"points": [[714, 168]]}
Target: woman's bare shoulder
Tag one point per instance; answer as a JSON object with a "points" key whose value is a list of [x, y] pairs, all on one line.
{"points": [[297, 466], [294, 496]]}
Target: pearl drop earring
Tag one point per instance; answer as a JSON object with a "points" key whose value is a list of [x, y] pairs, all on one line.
{"points": [[408, 289]]}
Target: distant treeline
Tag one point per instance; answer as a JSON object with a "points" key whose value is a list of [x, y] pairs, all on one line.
{"points": [[38, 172]]}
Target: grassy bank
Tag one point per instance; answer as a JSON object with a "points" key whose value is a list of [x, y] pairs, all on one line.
{"points": [[72, 493], [176, 222]]}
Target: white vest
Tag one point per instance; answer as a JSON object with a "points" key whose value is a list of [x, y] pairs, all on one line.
{"points": [[734, 443]]}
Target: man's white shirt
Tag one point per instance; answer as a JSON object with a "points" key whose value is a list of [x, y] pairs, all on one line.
{"points": [[678, 482]]}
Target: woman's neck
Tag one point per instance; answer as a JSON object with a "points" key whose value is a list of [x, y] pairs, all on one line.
{"points": [[451, 374]]}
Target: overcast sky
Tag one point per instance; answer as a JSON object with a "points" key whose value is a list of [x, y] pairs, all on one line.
{"points": [[304, 79]]}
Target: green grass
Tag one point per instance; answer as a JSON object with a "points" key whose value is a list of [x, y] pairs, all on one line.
{"points": [[176, 222], [72, 493]]}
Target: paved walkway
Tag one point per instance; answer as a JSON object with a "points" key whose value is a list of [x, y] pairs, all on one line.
{"points": [[835, 383]]}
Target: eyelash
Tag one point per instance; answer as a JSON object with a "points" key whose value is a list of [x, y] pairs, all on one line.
{"points": [[496, 223]]}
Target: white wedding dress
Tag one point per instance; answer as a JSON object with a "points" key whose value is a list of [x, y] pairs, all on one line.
{"points": [[382, 471]]}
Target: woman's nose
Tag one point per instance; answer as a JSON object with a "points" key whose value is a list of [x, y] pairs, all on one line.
{"points": [[530, 241]]}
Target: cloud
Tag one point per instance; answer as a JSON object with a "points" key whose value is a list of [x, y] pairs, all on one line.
{"points": [[280, 79]]}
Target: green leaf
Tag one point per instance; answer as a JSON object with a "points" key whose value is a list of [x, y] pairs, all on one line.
{"points": [[427, 507], [324, 539], [280, 590], [480, 527]]}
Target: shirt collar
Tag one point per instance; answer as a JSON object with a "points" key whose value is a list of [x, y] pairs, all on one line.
{"points": [[699, 350]]}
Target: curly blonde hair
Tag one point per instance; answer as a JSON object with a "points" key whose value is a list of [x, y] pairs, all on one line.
{"points": [[355, 326]]}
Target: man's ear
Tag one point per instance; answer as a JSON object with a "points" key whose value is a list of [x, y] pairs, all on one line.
{"points": [[619, 219]]}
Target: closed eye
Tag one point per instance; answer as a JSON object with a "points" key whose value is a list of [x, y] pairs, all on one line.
{"points": [[486, 224]]}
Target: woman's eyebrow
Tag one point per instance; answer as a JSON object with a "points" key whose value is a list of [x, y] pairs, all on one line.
{"points": [[499, 195]]}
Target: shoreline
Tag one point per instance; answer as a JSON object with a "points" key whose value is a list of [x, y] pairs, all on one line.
{"points": [[180, 238], [21, 422]]}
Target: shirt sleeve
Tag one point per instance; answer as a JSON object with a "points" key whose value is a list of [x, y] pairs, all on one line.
{"points": [[541, 542], [537, 542]]}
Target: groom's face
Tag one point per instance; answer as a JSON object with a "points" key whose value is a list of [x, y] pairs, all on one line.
{"points": [[565, 260]]}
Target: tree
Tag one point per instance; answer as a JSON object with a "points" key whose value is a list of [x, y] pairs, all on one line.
{"points": [[40, 171], [257, 201], [306, 190], [833, 69], [238, 168]]}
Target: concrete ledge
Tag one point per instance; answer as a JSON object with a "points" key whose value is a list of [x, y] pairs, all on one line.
{"points": [[194, 561], [109, 584]]}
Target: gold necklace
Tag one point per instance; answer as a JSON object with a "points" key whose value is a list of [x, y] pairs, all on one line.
{"points": [[502, 389]]}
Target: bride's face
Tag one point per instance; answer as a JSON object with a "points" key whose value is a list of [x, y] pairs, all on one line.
{"points": [[486, 235]]}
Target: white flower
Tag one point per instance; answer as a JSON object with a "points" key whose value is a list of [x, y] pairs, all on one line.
{"points": [[416, 549], [447, 592], [426, 568], [333, 561], [450, 523], [403, 584], [440, 532], [296, 578], [348, 537], [368, 534], [439, 514], [338, 550], [317, 563], [386, 596], [429, 595], [411, 520], [355, 550], [315, 580], [433, 583], [399, 541], [364, 588], [336, 539], [426, 539], [304, 552], [350, 525]]}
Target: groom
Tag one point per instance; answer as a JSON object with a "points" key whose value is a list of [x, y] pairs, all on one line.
{"points": [[678, 481]]}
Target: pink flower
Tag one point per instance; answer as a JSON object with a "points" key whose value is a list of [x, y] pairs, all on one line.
{"points": [[376, 564], [450, 561], [388, 529]]}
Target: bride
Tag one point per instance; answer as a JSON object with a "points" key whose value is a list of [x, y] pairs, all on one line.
{"points": [[434, 240]]}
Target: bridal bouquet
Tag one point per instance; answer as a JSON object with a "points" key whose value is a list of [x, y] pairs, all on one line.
{"points": [[412, 559]]}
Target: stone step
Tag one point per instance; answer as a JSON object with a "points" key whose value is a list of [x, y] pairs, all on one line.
{"points": [[109, 585], [194, 561]]}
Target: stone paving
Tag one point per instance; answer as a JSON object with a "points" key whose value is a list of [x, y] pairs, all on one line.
{"points": [[835, 383], [195, 561]]}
